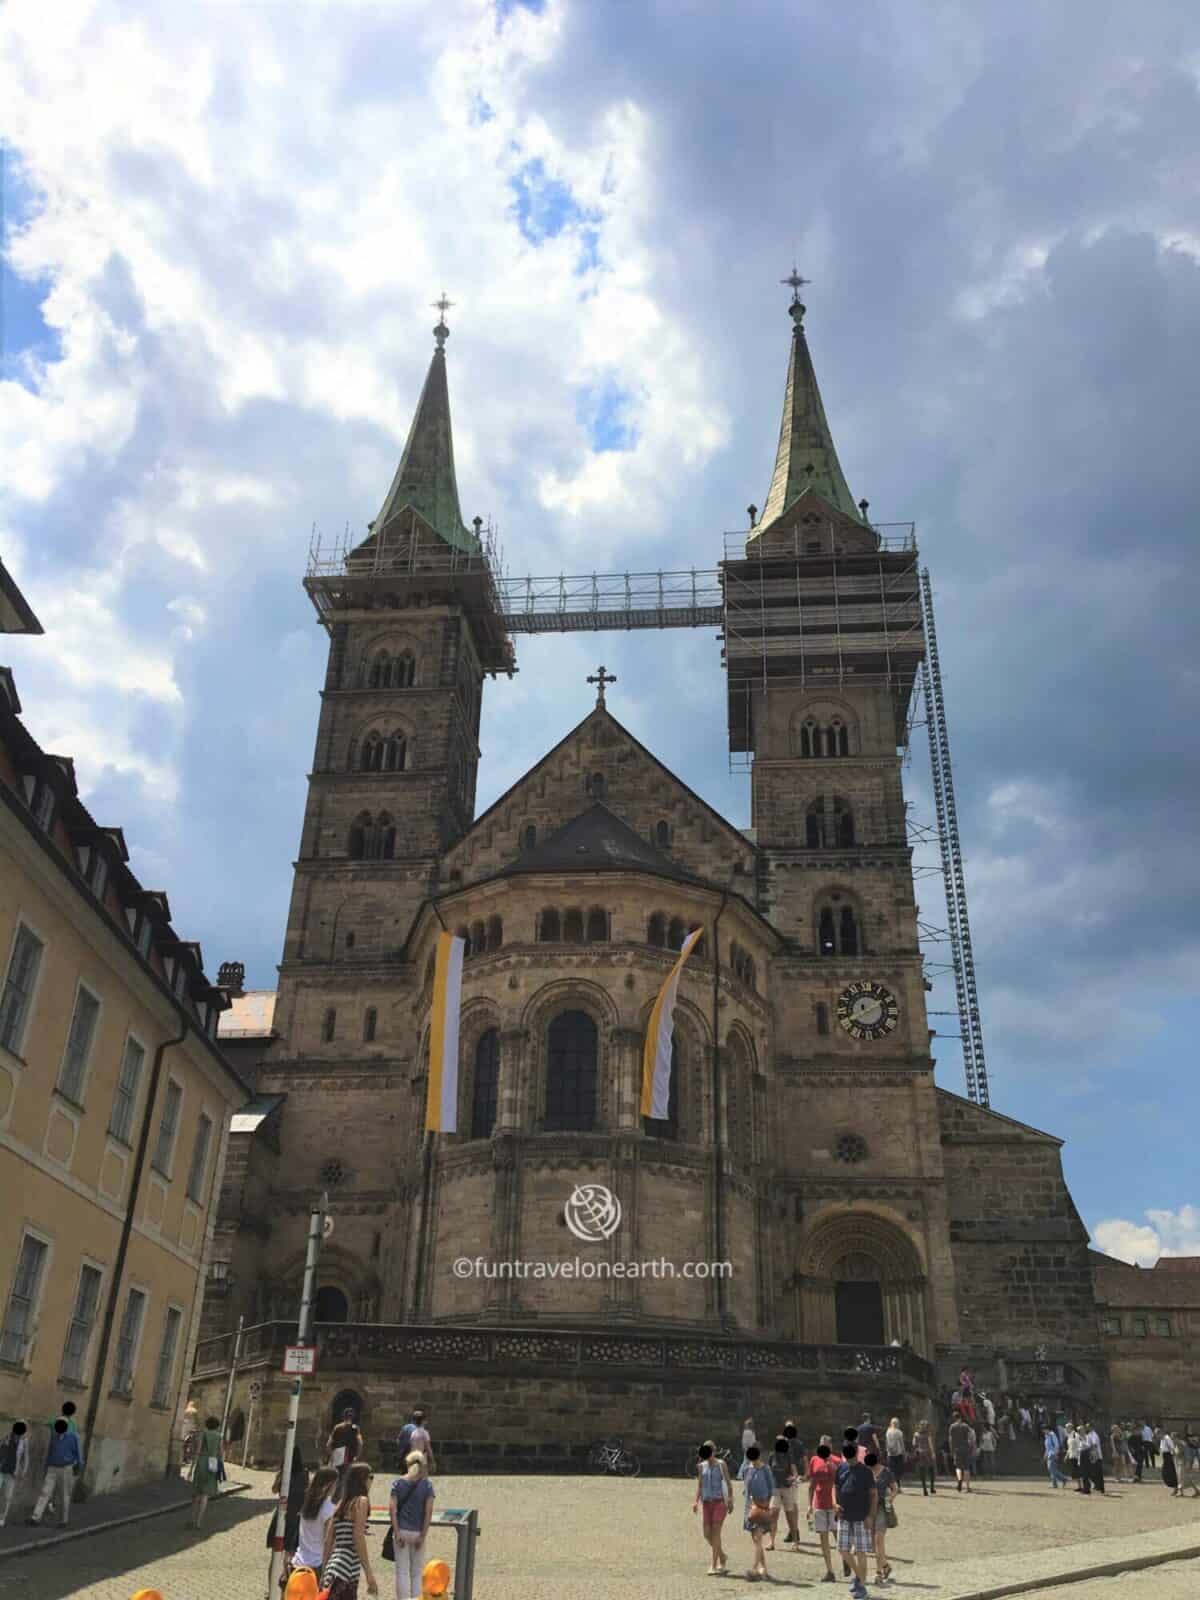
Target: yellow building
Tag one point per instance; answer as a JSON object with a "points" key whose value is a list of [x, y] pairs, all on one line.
{"points": [[114, 1101]]}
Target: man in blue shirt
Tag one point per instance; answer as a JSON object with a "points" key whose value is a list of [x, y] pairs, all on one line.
{"points": [[64, 1461], [856, 1500]]}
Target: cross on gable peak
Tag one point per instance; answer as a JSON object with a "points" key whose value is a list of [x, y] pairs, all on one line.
{"points": [[601, 679]]}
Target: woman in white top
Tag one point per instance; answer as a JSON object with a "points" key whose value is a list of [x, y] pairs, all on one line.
{"points": [[314, 1514], [749, 1437]]}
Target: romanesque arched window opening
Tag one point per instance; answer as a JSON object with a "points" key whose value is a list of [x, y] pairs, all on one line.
{"points": [[571, 1058], [381, 666], [549, 927], [395, 753], [827, 932], [656, 930], [573, 926], [528, 836], [356, 845], [328, 1026], [485, 1089], [369, 1021], [812, 825], [385, 837], [668, 1127], [838, 932], [849, 932], [662, 834], [330, 1305], [743, 965], [478, 939], [808, 739], [822, 1018], [823, 740], [597, 926], [405, 671], [371, 753], [676, 934], [495, 933], [843, 824]]}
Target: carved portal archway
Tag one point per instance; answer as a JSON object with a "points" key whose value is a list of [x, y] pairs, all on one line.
{"points": [[860, 1280]]}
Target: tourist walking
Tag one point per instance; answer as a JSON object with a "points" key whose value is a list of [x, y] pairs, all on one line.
{"points": [[207, 1470], [714, 1496], [783, 1491], [759, 1487], [64, 1463], [1094, 1448], [315, 1511], [344, 1556], [867, 1437], [961, 1440], [925, 1457], [1170, 1477], [987, 1452], [822, 1509], [14, 1464], [1186, 1468], [894, 1442], [1052, 1451], [857, 1501], [415, 1435], [749, 1437], [886, 1488], [411, 1510], [344, 1446]]}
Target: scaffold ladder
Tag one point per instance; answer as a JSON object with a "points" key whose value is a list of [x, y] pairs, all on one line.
{"points": [[959, 929]]}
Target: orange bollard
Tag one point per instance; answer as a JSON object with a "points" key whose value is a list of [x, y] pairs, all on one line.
{"points": [[148, 1594]]}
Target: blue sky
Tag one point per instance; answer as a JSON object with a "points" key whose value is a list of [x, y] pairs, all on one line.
{"points": [[220, 247]]}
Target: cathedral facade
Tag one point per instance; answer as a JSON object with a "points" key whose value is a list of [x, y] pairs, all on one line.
{"points": [[879, 1229]]}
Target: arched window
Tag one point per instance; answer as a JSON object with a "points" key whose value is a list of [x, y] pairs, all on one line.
{"points": [[528, 836], [549, 929], [369, 1018], [656, 930], [386, 835], [573, 926], [370, 758], [675, 934], [405, 670], [356, 845], [571, 1051], [667, 1127], [328, 1026], [808, 739], [827, 932], [486, 1088], [843, 824], [849, 932], [662, 834], [380, 669], [495, 933], [597, 926], [478, 938], [838, 932], [842, 734], [822, 1018], [464, 933], [330, 1305], [395, 753], [812, 825]]}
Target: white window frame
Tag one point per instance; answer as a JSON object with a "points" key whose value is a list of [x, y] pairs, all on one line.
{"points": [[162, 1397], [44, 805], [166, 1168], [79, 1099], [126, 1393], [126, 1137], [87, 1264], [196, 1196], [18, 1042], [145, 934], [98, 872], [35, 1303]]}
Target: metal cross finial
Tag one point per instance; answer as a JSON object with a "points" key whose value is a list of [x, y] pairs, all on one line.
{"points": [[441, 333], [795, 282], [600, 679]]}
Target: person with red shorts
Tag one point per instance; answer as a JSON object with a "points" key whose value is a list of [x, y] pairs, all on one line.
{"points": [[822, 1515], [714, 1496]]}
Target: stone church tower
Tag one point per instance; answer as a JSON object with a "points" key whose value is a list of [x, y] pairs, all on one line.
{"points": [[879, 1229]]}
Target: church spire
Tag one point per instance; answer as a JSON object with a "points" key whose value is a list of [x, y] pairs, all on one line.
{"points": [[806, 459], [425, 480]]}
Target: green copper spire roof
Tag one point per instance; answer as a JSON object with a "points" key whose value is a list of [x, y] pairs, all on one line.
{"points": [[806, 458], [425, 477]]}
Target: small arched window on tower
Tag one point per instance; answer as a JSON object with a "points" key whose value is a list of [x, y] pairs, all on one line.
{"points": [[485, 1090], [495, 933], [597, 926], [843, 824], [675, 934], [369, 1020], [809, 739], [822, 1019], [827, 932], [371, 753], [405, 670], [848, 930], [813, 818], [571, 1057], [573, 926], [385, 834], [356, 844], [656, 931], [478, 938], [837, 738], [464, 933], [528, 836], [380, 670], [395, 753], [662, 834], [549, 927], [328, 1026], [838, 932]]}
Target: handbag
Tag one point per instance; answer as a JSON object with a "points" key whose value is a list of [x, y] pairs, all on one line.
{"points": [[388, 1552], [759, 1515], [890, 1517]]}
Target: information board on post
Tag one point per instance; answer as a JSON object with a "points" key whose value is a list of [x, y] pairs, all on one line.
{"points": [[299, 1360]]}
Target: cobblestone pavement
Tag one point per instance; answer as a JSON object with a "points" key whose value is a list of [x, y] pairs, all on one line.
{"points": [[563, 1538]]}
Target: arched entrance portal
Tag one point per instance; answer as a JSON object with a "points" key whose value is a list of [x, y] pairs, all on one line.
{"points": [[860, 1281], [330, 1305]]}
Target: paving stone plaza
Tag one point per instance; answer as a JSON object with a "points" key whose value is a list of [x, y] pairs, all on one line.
{"points": [[543, 1538]]}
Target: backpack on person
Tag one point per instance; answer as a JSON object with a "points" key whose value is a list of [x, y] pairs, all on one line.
{"points": [[10, 1450]]}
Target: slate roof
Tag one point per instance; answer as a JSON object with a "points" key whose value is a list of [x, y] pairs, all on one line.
{"points": [[597, 841], [1122, 1286]]}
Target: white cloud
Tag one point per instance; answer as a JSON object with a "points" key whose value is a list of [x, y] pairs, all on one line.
{"points": [[1164, 1233]]}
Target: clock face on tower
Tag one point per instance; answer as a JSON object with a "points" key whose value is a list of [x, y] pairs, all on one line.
{"points": [[867, 1010]]}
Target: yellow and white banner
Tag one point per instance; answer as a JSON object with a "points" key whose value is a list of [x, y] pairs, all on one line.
{"points": [[441, 1111], [656, 1055]]}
